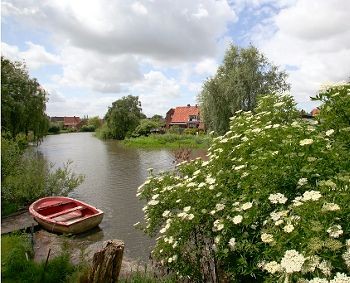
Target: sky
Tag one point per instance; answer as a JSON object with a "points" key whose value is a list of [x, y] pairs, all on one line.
{"points": [[87, 54]]}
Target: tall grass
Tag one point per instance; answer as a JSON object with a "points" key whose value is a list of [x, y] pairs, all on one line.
{"points": [[146, 277], [17, 265], [168, 141]]}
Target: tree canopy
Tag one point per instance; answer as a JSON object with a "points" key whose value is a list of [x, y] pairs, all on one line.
{"points": [[124, 116], [244, 74], [23, 101]]}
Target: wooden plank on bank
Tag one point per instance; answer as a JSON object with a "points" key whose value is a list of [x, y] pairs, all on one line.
{"points": [[18, 222]]}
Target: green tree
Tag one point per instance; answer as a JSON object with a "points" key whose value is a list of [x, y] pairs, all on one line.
{"points": [[244, 74], [157, 117], [95, 122], [145, 127], [124, 116], [23, 101]]}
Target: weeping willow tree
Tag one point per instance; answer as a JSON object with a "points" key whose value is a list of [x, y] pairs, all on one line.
{"points": [[244, 74], [23, 101]]}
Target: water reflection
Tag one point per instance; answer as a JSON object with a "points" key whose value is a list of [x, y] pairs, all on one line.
{"points": [[112, 175]]}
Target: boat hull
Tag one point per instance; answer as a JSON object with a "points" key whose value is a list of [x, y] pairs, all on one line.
{"points": [[65, 215], [75, 228]]}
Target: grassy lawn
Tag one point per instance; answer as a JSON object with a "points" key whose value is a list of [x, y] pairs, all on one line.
{"points": [[170, 141], [17, 265]]}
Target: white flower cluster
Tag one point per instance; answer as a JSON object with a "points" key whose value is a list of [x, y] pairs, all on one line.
{"points": [[267, 238], [169, 240], [318, 280], [172, 259], [325, 267], [277, 216], [210, 180], [292, 261], [302, 182], [328, 183], [185, 216], [246, 205], [288, 228], [330, 207], [346, 257], [311, 195], [153, 202], [219, 206], [237, 219], [277, 198], [166, 227], [338, 278], [232, 243], [218, 225], [272, 267], [329, 132], [306, 142], [239, 167], [335, 231]]}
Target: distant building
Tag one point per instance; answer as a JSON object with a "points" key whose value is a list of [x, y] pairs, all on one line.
{"points": [[315, 112], [56, 119], [184, 117], [68, 122]]}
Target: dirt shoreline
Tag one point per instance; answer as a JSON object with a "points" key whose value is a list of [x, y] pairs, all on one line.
{"points": [[45, 241]]}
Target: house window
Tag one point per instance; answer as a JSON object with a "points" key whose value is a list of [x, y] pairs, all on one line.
{"points": [[193, 118]]}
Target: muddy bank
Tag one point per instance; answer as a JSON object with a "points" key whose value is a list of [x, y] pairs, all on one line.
{"points": [[78, 249]]}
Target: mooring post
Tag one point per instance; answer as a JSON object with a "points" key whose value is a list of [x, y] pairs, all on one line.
{"points": [[32, 236], [107, 263]]}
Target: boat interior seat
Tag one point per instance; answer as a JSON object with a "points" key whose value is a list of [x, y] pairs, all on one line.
{"points": [[71, 216], [76, 209]]}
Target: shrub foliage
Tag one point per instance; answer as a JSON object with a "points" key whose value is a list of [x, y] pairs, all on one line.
{"points": [[270, 204], [26, 177]]}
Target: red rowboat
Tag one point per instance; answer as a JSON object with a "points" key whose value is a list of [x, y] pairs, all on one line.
{"points": [[65, 215]]}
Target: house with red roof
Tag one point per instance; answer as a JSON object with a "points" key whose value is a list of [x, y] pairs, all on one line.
{"points": [[68, 122], [72, 122], [184, 117], [315, 112]]}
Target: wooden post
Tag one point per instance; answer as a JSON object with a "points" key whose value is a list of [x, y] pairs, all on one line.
{"points": [[47, 258], [107, 262]]}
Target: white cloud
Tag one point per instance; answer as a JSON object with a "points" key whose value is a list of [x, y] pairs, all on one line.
{"points": [[67, 104], [207, 66], [138, 8], [312, 36], [35, 56], [103, 47], [201, 12], [162, 30], [98, 72], [157, 93]]}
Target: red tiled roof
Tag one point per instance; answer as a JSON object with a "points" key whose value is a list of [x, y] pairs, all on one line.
{"points": [[315, 112], [182, 113], [71, 121]]}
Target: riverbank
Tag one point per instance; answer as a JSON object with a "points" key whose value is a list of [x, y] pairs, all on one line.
{"points": [[46, 243], [168, 141]]}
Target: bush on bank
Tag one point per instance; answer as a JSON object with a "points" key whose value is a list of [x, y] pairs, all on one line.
{"points": [[271, 204], [25, 177]]}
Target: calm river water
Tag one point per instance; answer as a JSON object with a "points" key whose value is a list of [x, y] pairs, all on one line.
{"points": [[112, 175]]}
